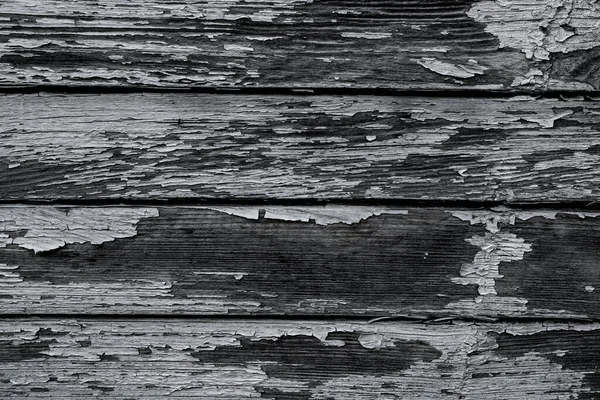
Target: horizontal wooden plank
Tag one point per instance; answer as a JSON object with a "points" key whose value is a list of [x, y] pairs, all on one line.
{"points": [[407, 44], [140, 146], [125, 359], [321, 260]]}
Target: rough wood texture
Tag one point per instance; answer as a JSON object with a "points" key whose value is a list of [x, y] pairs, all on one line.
{"points": [[151, 359], [442, 44], [299, 261], [157, 146], [454, 295]]}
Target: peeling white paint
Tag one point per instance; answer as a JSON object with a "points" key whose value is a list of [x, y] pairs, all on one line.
{"points": [[497, 246], [49, 228], [123, 297], [238, 211], [508, 216], [468, 70], [487, 218], [374, 341], [578, 160], [541, 27], [236, 275], [549, 121], [237, 47], [367, 35], [312, 305], [263, 38], [51, 130], [536, 375], [468, 367], [321, 215]]}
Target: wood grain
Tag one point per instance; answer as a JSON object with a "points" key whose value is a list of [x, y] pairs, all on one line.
{"points": [[134, 359], [442, 44], [140, 301], [160, 146], [284, 260]]}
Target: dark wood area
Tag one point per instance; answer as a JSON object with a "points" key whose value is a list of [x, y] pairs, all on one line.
{"points": [[423, 263]]}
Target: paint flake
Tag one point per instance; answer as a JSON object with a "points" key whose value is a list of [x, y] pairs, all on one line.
{"points": [[321, 215], [49, 228], [468, 70]]}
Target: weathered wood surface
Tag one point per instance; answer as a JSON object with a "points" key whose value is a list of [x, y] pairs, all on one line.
{"points": [[150, 359], [321, 260], [140, 146], [406, 44], [489, 304]]}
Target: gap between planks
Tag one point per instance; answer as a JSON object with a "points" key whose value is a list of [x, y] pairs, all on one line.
{"points": [[420, 319], [297, 202], [296, 91]]}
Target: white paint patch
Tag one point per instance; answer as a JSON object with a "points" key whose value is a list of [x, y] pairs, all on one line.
{"points": [[127, 296], [483, 272], [312, 305], [435, 49], [327, 215], [49, 228], [487, 218], [244, 212], [507, 216], [539, 28], [263, 38], [578, 160], [236, 275], [321, 215], [548, 122], [374, 341], [235, 47], [495, 248], [325, 59], [468, 70], [535, 375], [9, 275], [367, 35], [533, 77], [537, 77]]}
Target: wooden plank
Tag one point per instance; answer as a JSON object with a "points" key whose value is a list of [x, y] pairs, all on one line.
{"points": [[157, 146], [407, 44], [135, 359], [321, 260]]}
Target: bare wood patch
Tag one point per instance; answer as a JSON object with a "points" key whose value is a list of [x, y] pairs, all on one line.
{"points": [[320, 260]]}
